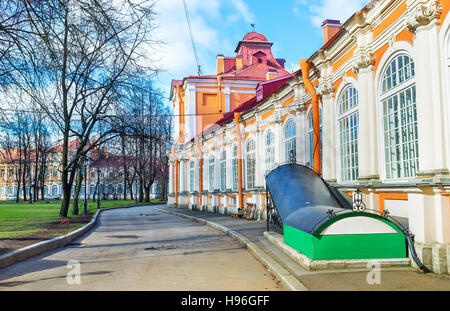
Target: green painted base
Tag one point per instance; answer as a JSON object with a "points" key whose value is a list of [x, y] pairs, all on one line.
{"points": [[349, 246]]}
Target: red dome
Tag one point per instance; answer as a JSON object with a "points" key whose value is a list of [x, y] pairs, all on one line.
{"points": [[255, 37]]}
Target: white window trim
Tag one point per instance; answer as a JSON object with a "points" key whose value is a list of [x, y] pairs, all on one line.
{"points": [[380, 97], [340, 117], [233, 158], [222, 161], [211, 183], [266, 147], [191, 176], [250, 138], [292, 138]]}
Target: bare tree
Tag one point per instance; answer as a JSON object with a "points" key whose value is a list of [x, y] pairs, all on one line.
{"points": [[80, 55], [145, 122]]}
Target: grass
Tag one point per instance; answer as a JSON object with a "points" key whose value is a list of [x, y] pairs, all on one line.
{"points": [[22, 219]]}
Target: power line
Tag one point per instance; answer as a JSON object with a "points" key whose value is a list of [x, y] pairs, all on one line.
{"points": [[192, 38], [12, 111]]}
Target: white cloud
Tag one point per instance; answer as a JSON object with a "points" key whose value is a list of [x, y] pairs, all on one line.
{"points": [[176, 56], [320, 10], [243, 10]]}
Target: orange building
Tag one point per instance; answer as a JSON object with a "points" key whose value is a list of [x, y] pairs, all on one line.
{"points": [[369, 110], [199, 101], [104, 175]]}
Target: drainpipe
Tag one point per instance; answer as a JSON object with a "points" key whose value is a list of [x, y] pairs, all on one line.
{"points": [[176, 165], [200, 163], [219, 94], [181, 107], [237, 117], [305, 66]]}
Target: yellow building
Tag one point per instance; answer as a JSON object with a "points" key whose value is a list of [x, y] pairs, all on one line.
{"points": [[104, 175]]}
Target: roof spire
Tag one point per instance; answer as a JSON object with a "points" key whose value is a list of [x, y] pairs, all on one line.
{"points": [[253, 27]]}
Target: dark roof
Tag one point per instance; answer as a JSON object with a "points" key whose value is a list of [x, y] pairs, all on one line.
{"points": [[263, 90], [112, 160], [303, 199]]}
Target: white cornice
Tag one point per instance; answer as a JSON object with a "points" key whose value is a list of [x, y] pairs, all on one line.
{"points": [[422, 13]]}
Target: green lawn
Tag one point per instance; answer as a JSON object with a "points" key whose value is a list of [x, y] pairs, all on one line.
{"points": [[21, 219]]}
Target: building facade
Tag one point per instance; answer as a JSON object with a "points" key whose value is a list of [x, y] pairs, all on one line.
{"points": [[104, 171], [369, 110]]}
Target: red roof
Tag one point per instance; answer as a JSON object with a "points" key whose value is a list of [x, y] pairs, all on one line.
{"points": [[257, 59], [255, 37], [72, 146], [112, 160]]}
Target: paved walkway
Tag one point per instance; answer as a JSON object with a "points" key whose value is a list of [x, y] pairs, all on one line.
{"points": [[140, 248], [401, 279]]}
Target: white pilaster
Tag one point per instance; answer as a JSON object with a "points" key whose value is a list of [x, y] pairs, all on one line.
{"points": [[227, 93], [170, 177], [259, 159], [423, 20], [182, 175], [278, 129], [190, 111], [421, 217], [328, 138], [367, 135], [302, 154], [442, 217]]}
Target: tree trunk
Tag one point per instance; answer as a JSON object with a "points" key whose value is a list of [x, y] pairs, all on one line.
{"points": [[130, 186], [141, 191], [78, 185], [95, 194], [147, 193]]}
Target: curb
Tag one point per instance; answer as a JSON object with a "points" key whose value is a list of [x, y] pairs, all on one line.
{"points": [[288, 280], [58, 242]]}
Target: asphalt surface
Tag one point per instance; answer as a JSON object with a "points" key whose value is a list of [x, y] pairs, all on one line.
{"points": [[143, 249]]}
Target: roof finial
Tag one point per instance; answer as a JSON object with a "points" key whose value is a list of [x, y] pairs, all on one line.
{"points": [[253, 27]]}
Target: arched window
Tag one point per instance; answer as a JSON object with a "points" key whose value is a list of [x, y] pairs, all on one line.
{"points": [[120, 188], [310, 135], [55, 171], [191, 176], [235, 168], [223, 170], [250, 152], [290, 145], [110, 189], [269, 151], [211, 172], [398, 98], [348, 121], [45, 191], [54, 190]]}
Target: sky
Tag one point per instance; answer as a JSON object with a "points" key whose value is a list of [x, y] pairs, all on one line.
{"points": [[294, 27]]}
